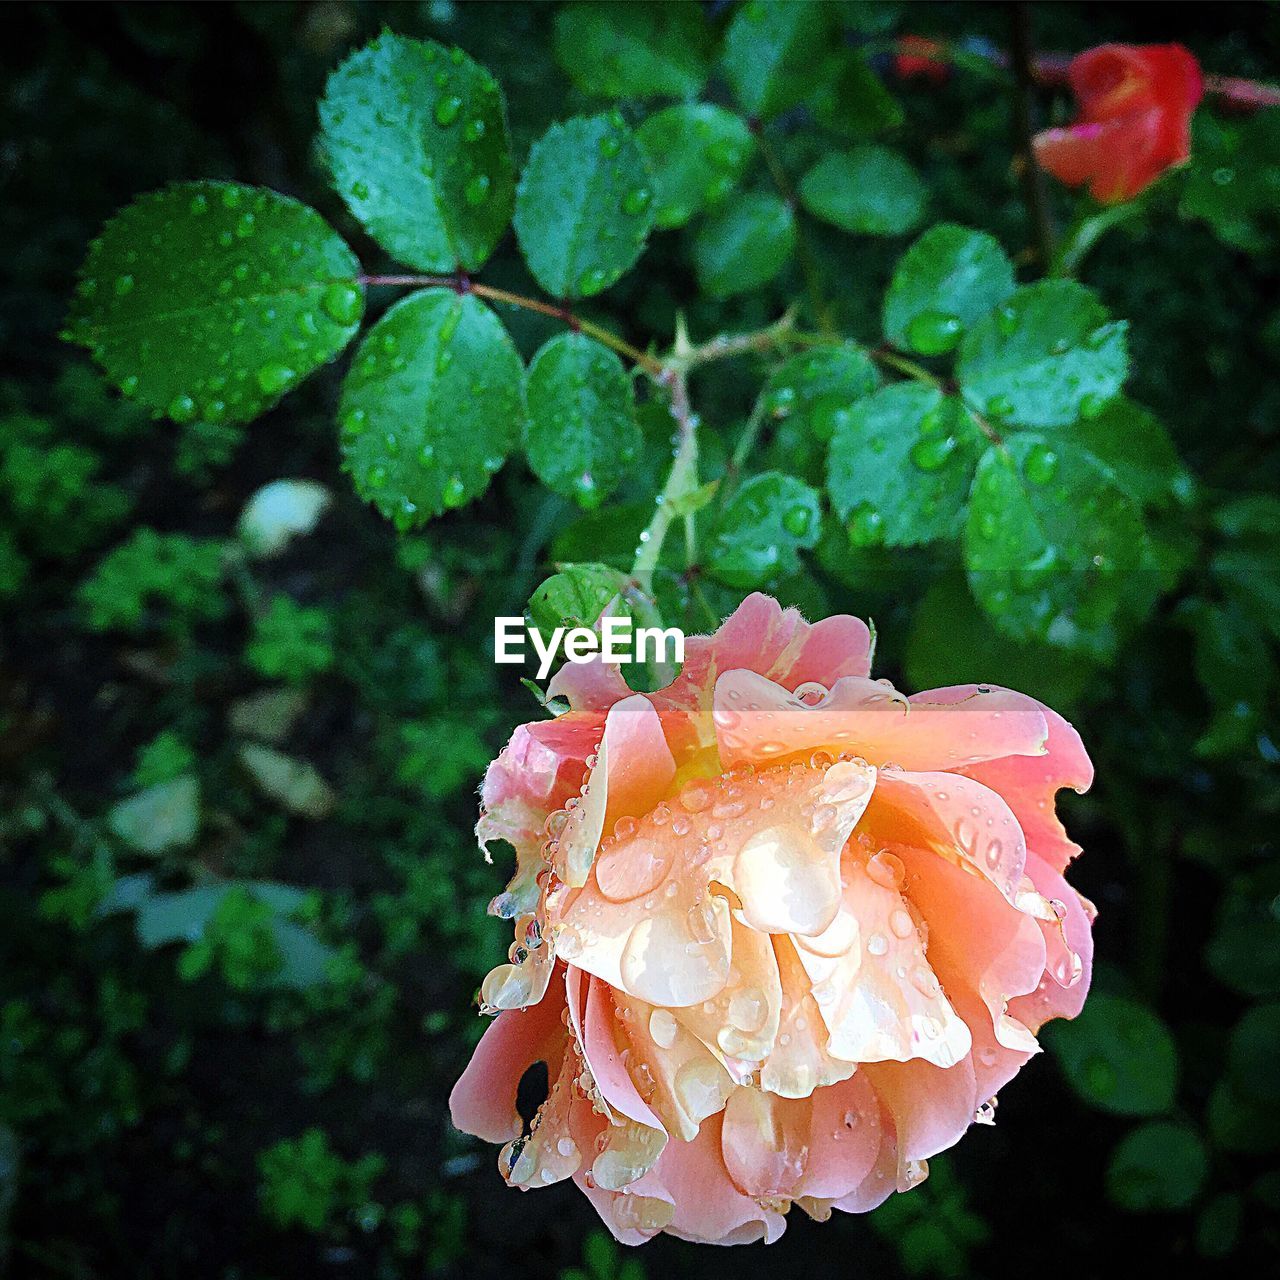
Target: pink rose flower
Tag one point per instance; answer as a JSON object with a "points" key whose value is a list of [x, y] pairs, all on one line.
{"points": [[782, 933]]}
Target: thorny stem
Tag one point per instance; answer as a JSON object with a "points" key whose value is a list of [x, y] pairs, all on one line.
{"points": [[462, 284], [681, 481]]}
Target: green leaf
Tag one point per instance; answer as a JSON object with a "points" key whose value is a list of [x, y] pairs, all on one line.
{"points": [[430, 354], [581, 434], [943, 283], [744, 244], [1136, 448], [634, 50], [952, 641], [1053, 546], [210, 300], [851, 99], [584, 206], [1158, 1166], [761, 528], [1118, 1056], [1231, 182], [293, 784], [770, 50], [870, 189], [1044, 357], [1251, 1055], [415, 136], [1234, 667], [697, 153], [576, 596], [818, 387], [907, 454]]}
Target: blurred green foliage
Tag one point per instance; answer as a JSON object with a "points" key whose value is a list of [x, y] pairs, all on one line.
{"points": [[241, 913]]}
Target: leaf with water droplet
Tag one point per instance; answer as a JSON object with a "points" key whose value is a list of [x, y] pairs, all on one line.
{"points": [[434, 195], [949, 272], [744, 243], [761, 528], [634, 50], [581, 435], [1043, 353], [409, 448], [697, 153], [1057, 552], [909, 452], [870, 190], [579, 220], [207, 310]]}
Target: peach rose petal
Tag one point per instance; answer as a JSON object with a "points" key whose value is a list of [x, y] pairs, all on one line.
{"points": [[740, 1024], [1054, 997], [931, 1107], [598, 1030], [978, 941], [1028, 786], [882, 1179], [483, 1101], [799, 1062], [844, 1141], [537, 772], [766, 1143], [763, 637], [548, 1154], [872, 980], [632, 771], [758, 720], [679, 1078], [957, 817]]}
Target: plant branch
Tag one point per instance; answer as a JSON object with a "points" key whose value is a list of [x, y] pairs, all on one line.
{"points": [[808, 267], [462, 284], [1033, 185], [681, 481]]}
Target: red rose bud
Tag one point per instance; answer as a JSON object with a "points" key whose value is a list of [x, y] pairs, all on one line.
{"points": [[1136, 104], [922, 57]]}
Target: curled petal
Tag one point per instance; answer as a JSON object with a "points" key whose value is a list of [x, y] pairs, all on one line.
{"points": [[799, 1062], [633, 770], [978, 942], [1028, 786], [650, 919], [483, 1102], [872, 981], [757, 720]]}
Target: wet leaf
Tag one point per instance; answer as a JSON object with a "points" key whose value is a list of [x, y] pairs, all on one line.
{"points": [[907, 453], [697, 153], [760, 530], [581, 434], [415, 136], [870, 190], [1044, 357], [584, 206], [634, 50], [428, 356], [942, 284], [210, 300], [744, 244]]}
